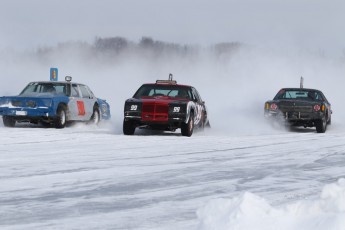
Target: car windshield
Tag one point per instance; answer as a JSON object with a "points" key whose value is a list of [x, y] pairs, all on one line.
{"points": [[307, 95], [46, 88], [163, 90]]}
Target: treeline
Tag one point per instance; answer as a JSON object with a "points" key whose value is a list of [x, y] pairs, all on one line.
{"points": [[117, 46]]}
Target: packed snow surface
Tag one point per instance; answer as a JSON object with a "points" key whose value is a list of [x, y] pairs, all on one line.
{"points": [[85, 177]]}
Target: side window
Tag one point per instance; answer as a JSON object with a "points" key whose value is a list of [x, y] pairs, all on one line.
{"points": [[196, 95], [61, 89], [322, 97], [74, 91], [84, 91], [91, 93]]}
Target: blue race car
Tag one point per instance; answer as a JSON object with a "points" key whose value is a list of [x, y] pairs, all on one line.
{"points": [[53, 103]]}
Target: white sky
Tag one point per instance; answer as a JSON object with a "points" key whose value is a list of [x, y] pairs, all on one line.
{"points": [[316, 24]]}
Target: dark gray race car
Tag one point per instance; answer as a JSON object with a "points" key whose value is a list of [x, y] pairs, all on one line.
{"points": [[300, 107]]}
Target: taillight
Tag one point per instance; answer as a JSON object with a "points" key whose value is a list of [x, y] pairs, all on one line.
{"points": [[317, 108], [274, 106], [267, 106], [323, 107]]}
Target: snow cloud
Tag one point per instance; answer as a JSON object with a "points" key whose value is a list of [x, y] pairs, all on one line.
{"points": [[280, 41], [234, 79]]}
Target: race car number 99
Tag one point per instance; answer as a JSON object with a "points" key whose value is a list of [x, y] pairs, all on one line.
{"points": [[176, 109], [134, 107]]}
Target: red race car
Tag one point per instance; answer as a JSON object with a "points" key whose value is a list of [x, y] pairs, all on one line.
{"points": [[165, 105]]}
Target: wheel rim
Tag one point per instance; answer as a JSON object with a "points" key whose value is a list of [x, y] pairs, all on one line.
{"points": [[324, 123], [95, 117], [191, 124], [62, 117]]}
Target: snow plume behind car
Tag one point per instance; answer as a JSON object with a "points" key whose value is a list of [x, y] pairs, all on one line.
{"points": [[235, 79]]}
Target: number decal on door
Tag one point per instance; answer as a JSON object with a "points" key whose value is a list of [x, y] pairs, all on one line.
{"points": [[81, 108]]}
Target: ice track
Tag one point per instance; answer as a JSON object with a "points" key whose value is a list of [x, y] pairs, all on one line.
{"points": [[88, 178]]}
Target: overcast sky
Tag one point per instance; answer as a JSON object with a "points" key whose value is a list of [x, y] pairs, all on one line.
{"points": [[316, 24]]}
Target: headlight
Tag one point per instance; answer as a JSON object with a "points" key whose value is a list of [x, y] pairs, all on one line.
{"points": [[104, 108], [46, 102], [31, 104], [4, 102]]}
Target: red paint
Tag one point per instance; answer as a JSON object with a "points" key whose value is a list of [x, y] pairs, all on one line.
{"points": [[81, 108], [155, 109]]}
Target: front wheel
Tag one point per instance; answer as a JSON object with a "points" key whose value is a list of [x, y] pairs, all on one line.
{"points": [[128, 127], [8, 121], [321, 125], [187, 128], [60, 120]]}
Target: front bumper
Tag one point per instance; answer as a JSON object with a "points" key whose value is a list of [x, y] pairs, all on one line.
{"points": [[18, 113], [157, 122]]}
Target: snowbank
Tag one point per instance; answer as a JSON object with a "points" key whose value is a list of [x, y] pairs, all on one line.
{"points": [[250, 211]]}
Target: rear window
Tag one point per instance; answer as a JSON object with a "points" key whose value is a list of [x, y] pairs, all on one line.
{"points": [[299, 95]]}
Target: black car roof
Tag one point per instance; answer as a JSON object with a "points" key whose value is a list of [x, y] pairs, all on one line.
{"points": [[56, 82], [163, 84], [301, 89]]}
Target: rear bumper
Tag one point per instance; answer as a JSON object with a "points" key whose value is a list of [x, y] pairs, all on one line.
{"points": [[295, 116]]}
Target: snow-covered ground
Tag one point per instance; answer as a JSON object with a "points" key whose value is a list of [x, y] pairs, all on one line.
{"points": [[85, 177]]}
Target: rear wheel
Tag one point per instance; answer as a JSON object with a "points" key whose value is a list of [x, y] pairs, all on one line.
{"points": [[187, 128], [95, 118], [60, 120], [128, 127], [8, 121], [321, 125]]}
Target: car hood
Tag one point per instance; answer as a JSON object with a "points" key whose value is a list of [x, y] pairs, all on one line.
{"points": [[39, 95], [157, 99]]}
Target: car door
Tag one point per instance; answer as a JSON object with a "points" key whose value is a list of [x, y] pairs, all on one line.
{"points": [[76, 104], [88, 100], [199, 107]]}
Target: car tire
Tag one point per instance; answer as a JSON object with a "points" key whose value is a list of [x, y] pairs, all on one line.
{"points": [[61, 117], [321, 125], [8, 121], [187, 128], [329, 122], [128, 127], [95, 118]]}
